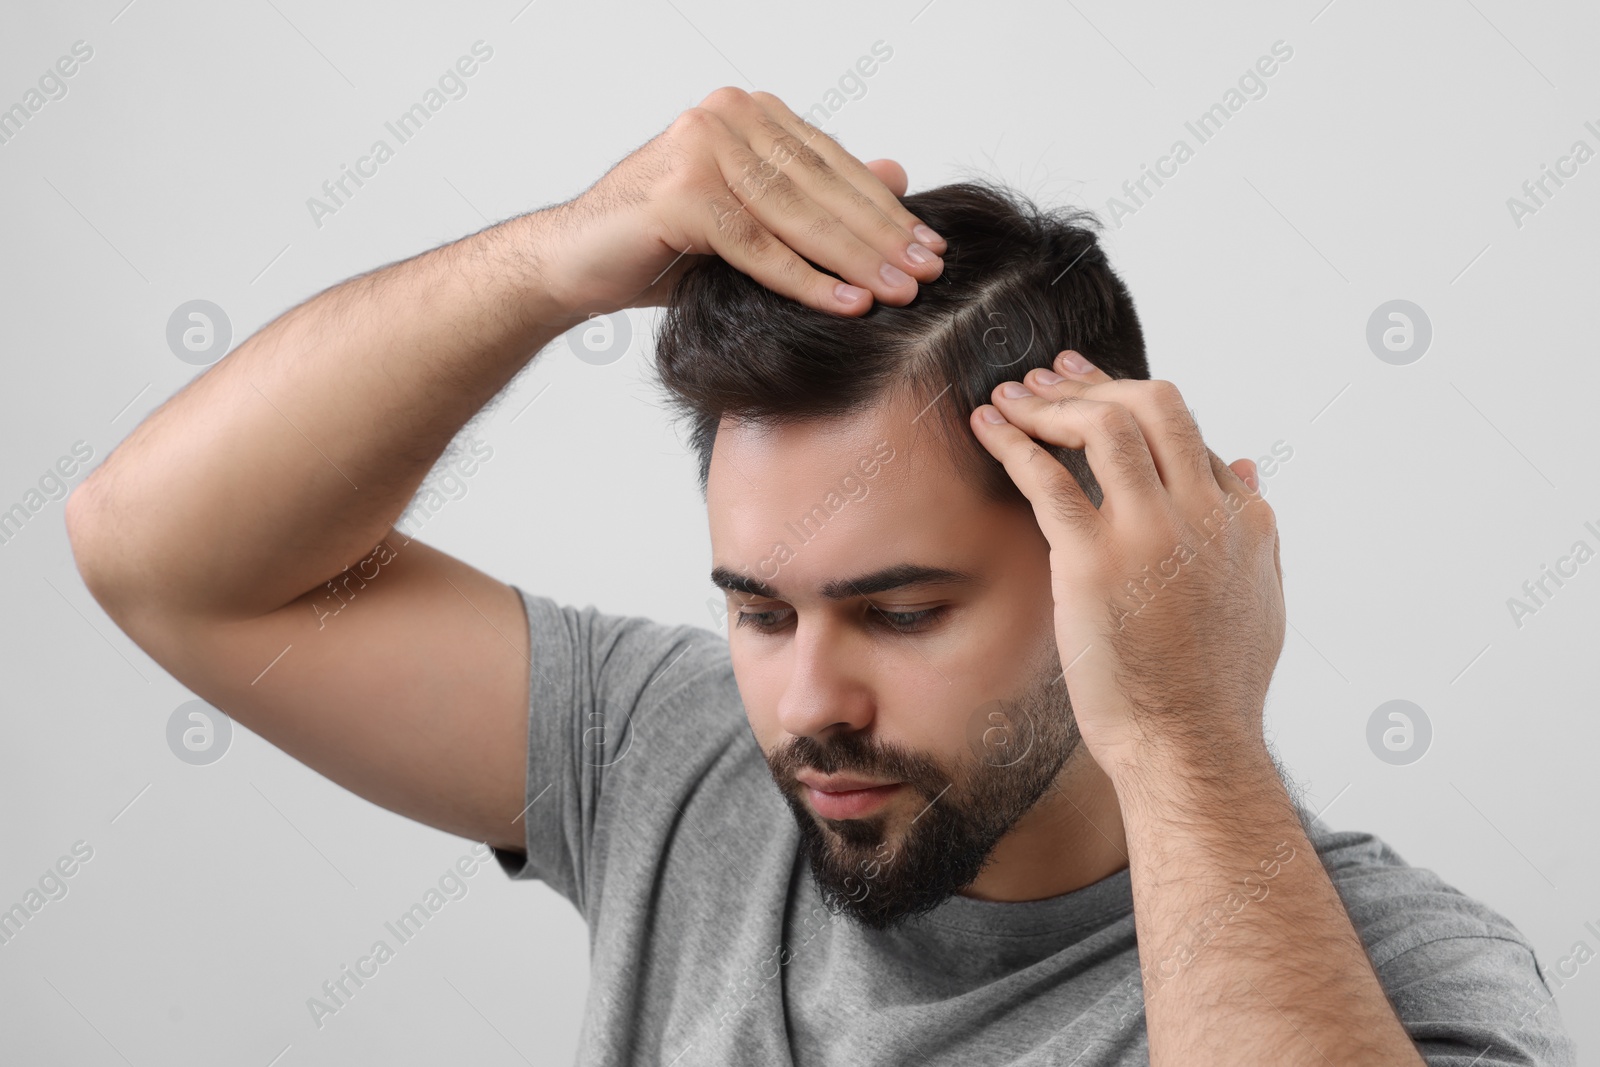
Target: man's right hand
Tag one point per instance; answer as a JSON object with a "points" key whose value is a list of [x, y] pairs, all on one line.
{"points": [[218, 534], [743, 177]]}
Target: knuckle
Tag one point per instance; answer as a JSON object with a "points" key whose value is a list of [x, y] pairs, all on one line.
{"points": [[1114, 419], [1191, 448], [786, 145], [1129, 462], [742, 231], [822, 226], [693, 122], [1261, 513], [782, 189], [809, 131], [727, 97], [1063, 496], [1165, 393], [1066, 407]]}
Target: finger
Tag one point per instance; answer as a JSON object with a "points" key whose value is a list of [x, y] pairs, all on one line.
{"points": [[1229, 479], [768, 207], [886, 195], [1169, 427], [738, 236], [846, 186], [1246, 470], [1075, 364], [1106, 431], [1059, 503], [853, 202], [890, 173]]}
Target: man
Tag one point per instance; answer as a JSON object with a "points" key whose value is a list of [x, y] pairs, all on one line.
{"points": [[977, 775]]}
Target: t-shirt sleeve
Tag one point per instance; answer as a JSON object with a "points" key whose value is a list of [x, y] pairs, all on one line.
{"points": [[1463, 979], [595, 680]]}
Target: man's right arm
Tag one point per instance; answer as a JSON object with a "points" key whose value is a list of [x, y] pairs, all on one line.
{"points": [[210, 535]]}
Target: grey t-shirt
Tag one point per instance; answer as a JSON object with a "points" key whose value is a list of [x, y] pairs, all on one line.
{"points": [[653, 812]]}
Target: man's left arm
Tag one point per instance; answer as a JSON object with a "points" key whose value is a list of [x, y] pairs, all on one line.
{"points": [[1247, 952], [1169, 617]]}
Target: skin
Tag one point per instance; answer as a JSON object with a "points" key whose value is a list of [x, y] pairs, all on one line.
{"points": [[841, 666], [211, 535]]}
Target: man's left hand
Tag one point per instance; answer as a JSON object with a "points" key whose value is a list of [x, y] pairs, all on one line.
{"points": [[1169, 609]]}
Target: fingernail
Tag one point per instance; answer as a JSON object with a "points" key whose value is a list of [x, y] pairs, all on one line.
{"points": [[1015, 390], [924, 234], [848, 294], [918, 255], [1048, 377], [893, 275], [1074, 362], [991, 414]]}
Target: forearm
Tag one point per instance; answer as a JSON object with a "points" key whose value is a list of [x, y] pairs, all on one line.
{"points": [[1247, 952], [288, 460]]}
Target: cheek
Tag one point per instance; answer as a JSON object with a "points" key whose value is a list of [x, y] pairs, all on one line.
{"points": [[759, 690]]}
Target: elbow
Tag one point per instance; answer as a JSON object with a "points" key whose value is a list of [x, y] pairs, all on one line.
{"points": [[88, 535]]}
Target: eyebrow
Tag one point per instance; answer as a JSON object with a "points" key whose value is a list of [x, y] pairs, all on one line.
{"points": [[878, 581]]}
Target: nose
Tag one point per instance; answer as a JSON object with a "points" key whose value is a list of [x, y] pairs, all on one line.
{"points": [[827, 688]]}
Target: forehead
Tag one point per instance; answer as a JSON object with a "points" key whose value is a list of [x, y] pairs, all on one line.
{"points": [[840, 495]]}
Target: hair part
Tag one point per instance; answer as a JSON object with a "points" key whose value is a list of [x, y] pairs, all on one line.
{"points": [[1020, 284]]}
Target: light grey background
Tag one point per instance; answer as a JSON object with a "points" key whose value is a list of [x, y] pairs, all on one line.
{"points": [[1419, 498]]}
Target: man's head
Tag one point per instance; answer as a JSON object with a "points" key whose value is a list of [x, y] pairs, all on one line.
{"points": [[890, 612]]}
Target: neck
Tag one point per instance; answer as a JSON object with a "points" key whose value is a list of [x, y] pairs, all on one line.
{"points": [[1073, 837]]}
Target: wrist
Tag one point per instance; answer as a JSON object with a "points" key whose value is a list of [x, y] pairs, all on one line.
{"points": [[533, 247], [1195, 782]]}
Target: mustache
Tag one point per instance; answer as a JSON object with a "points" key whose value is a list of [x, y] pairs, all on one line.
{"points": [[855, 754]]}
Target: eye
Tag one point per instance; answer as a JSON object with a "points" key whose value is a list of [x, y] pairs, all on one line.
{"points": [[764, 622], [905, 621]]}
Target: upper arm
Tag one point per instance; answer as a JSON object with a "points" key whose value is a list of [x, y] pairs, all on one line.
{"points": [[405, 680]]}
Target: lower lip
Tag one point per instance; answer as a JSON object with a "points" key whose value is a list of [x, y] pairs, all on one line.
{"points": [[851, 804]]}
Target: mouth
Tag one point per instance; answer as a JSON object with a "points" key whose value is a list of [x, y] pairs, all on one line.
{"points": [[849, 803]]}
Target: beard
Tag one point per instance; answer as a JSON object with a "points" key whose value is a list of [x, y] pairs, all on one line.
{"points": [[1016, 749]]}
